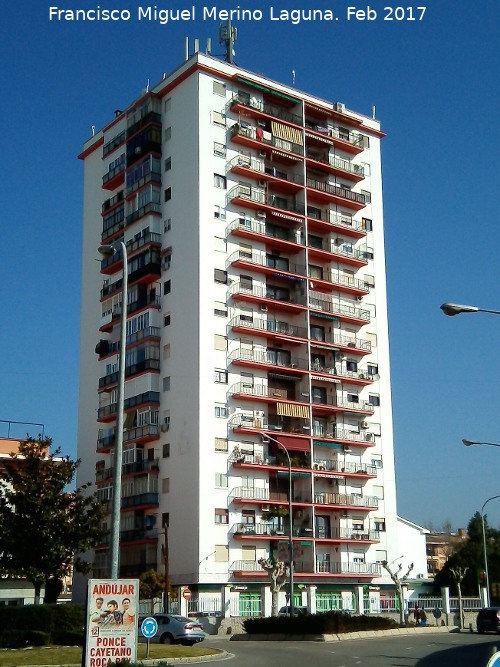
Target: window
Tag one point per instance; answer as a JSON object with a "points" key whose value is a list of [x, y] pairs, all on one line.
{"points": [[319, 395], [372, 369], [167, 134], [220, 309], [219, 118], [219, 149], [219, 212], [352, 398], [221, 553], [166, 320], [220, 244], [378, 492], [220, 342], [379, 524], [165, 485], [168, 163], [221, 445], [317, 333], [367, 195], [166, 287], [165, 519], [221, 480], [166, 383], [376, 461], [220, 410], [367, 224], [315, 272], [166, 351], [221, 516], [168, 104], [220, 181], [248, 517], [351, 366], [219, 88], [166, 450], [374, 399], [220, 276], [167, 195], [220, 376], [167, 225]]}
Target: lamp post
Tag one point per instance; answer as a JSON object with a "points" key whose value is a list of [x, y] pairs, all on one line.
{"points": [[469, 443], [485, 551], [452, 309], [267, 438], [114, 546]]}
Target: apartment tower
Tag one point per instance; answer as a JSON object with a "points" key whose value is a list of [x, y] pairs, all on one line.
{"points": [[256, 323]]}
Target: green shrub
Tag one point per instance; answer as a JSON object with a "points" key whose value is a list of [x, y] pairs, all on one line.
{"points": [[316, 624], [37, 638], [54, 620], [68, 638]]}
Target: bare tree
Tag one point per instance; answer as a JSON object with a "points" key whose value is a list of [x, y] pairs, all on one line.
{"points": [[398, 581], [278, 573], [458, 573]]}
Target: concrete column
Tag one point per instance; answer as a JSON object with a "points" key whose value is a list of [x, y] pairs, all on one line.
{"points": [[358, 592], [225, 605], [445, 595], [311, 599], [267, 601]]}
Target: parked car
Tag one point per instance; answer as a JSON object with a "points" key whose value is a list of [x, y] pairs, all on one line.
{"points": [[297, 611], [174, 629], [488, 620]]}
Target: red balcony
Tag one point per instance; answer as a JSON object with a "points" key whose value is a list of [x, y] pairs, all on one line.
{"points": [[273, 298], [331, 251], [327, 193], [259, 230], [325, 221], [335, 165]]}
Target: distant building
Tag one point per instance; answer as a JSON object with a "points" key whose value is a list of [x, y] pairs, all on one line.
{"points": [[440, 546]]}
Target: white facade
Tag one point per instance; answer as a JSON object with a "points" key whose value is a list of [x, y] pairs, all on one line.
{"points": [[256, 308]]}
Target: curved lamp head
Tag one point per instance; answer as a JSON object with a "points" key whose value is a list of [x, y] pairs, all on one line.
{"points": [[452, 309], [106, 250], [468, 443]]}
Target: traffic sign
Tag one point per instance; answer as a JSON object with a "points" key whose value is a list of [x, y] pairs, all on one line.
{"points": [[494, 661], [149, 627], [186, 594]]}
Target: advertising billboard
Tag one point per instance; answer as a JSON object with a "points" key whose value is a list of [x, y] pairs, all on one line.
{"points": [[111, 621]]}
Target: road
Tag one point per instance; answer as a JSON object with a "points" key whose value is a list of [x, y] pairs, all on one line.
{"points": [[434, 650]]}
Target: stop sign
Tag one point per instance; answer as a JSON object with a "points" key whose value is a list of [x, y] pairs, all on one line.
{"points": [[186, 594]]}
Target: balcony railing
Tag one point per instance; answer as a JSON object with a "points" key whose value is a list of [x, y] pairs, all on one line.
{"points": [[258, 196], [275, 326], [133, 369], [347, 534], [140, 499], [267, 139], [149, 431], [337, 163], [346, 222], [317, 301], [307, 567], [266, 293], [270, 231], [341, 466], [341, 434], [128, 469], [338, 402], [340, 279], [255, 493], [265, 107], [345, 499], [357, 254], [336, 191], [344, 341], [275, 263], [151, 207], [113, 172], [262, 529], [350, 137], [265, 357], [260, 391]]}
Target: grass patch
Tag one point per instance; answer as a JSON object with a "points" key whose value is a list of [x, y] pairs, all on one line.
{"points": [[72, 655]]}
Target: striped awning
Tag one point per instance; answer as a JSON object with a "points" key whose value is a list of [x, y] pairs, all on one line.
{"points": [[286, 132], [290, 410]]}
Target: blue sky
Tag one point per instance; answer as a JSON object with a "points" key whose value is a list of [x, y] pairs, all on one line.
{"points": [[435, 86]]}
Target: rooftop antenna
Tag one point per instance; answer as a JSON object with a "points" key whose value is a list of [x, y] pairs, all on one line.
{"points": [[147, 86], [227, 36], [373, 111], [293, 77]]}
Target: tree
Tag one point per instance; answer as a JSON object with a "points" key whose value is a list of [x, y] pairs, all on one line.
{"points": [[399, 585], [278, 573], [152, 585], [43, 526], [458, 575]]}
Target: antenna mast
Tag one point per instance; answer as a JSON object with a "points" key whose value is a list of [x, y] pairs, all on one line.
{"points": [[227, 36]]}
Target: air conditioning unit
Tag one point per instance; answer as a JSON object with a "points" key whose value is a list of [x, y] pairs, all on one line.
{"points": [[165, 427], [266, 508], [340, 107], [370, 437], [262, 154], [364, 424], [359, 298], [262, 183], [263, 307], [261, 214]]}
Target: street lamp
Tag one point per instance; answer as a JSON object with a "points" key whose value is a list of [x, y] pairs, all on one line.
{"points": [[469, 443], [452, 309], [108, 251], [265, 439], [485, 552]]}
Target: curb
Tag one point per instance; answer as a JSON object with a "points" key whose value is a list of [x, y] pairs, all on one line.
{"points": [[165, 662], [346, 636]]}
